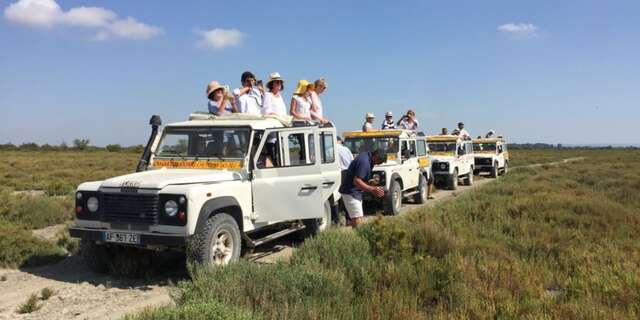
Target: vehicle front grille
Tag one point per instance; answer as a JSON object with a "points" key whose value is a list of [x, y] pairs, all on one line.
{"points": [[130, 208], [483, 161]]}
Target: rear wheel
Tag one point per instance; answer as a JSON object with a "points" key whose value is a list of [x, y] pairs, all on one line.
{"points": [[469, 178], [315, 226], [421, 196], [452, 183], [218, 243], [392, 201]]}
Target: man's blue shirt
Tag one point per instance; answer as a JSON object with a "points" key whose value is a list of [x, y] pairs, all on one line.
{"points": [[360, 167]]}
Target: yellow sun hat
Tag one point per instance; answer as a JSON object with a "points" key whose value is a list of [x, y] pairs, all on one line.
{"points": [[302, 87]]}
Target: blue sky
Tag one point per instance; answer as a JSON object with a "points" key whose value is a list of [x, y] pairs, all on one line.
{"points": [[535, 71]]}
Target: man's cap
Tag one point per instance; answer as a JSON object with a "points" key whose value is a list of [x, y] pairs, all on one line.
{"points": [[339, 138], [388, 114], [245, 75], [460, 123], [370, 115]]}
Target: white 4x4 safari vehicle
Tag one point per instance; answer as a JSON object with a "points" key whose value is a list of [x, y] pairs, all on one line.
{"points": [[208, 185], [491, 155], [406, 172], [451, 159]]}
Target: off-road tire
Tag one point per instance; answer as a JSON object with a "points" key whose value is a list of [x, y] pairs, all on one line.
{"points": [[221, 234], [495, 171], [392, 201], [97, 257], [476, 172], [468, 180], [505, 169], [452, 180], [314, 226], [421, 196]]}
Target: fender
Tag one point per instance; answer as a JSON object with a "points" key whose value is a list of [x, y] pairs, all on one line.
{"points": [[396, 176], [212, 205]]}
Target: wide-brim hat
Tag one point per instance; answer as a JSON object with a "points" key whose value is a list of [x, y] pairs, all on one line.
{"points": [[275, 76], [370, 115], [302, 86], [213, 86]]}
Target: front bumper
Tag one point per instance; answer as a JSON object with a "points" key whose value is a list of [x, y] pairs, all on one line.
{"points": [[145, 239]]}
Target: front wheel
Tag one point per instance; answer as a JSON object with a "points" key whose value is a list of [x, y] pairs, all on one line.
{"points": [[392, 201], [96, 256], [495, 170], [505, 169], [421, 196], [452, 184], [469, 178], [218, 243]]}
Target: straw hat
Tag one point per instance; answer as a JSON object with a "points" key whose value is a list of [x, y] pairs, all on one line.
{"points": [[370, 115], [302, 87], [213, 86], [275, 76]]}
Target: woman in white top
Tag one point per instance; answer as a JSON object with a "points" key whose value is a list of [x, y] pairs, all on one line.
{"points": [[319, 87], [219, 101], [273, 102], [301, 102]]}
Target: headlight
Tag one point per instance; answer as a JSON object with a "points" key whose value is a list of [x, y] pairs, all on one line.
{"points": [[79, 195], [171, 208], [92, 204]]}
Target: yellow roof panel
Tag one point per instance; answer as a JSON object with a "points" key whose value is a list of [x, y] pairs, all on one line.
{"points": [[375, 133], [440, 138]]}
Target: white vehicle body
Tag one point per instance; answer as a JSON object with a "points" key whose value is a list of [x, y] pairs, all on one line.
{"points": [[405, 173], [491, 155], [210, 165], [451, 158]]}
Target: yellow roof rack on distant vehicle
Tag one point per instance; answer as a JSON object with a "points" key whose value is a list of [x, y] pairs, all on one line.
{"points": [[376, 133]]}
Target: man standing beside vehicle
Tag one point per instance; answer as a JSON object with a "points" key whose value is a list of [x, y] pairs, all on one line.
{"points": [[355, 183], [345, 157]]}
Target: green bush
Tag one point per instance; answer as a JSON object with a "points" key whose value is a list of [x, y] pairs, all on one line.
{"points": [[35, 212], [114, 148], [30, 305], [19, 248], [198, 311]]}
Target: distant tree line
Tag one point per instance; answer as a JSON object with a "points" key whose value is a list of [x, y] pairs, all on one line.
{"points": [[560, 146], [78, 144]]}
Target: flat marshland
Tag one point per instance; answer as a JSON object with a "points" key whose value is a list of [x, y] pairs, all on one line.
{"points": [[546, 242]]}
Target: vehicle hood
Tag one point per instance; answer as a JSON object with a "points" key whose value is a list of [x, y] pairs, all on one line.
{"points": [[158, 179]]}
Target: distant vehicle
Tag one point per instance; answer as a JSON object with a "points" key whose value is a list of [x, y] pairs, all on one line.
{"points": [[451, 159], [491, 155], [407, 170], [210, 186]]}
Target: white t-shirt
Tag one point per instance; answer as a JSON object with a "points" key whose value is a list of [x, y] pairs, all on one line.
{"points": [[303, 105], [250, 102], [464, 134], [273, 105], [367, 126], [344, 156], [404, 124], [315, 98]]}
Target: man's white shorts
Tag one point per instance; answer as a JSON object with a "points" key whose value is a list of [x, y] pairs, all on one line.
{"points": [[353, 206]]}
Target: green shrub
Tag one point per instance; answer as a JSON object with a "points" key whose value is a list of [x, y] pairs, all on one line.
{"points": [[30, 305], [19, 248], [46, 293], [114, 148], [198, 311], [58, 188], [36, 212]]}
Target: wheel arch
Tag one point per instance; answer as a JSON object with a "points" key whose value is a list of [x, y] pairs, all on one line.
{"points": [[396, 177], [228, 205]]}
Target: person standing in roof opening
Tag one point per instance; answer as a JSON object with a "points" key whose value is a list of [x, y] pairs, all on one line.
{"points": [[219, 101], [345, 157], [444, 131], [368, 122], [409, 121], [317, 112], [388, 123], [355, 183], [462, 133], [249, 97], [301, 102], [273, 103]]}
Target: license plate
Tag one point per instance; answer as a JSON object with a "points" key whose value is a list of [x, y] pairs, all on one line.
{"points": [[121, 237]]}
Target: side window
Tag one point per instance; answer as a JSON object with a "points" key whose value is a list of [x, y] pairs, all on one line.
{"points": [[422, 148], [412, 148], [328, 150], [296, 147], [461, 150], [269, 155], [311, 143]]}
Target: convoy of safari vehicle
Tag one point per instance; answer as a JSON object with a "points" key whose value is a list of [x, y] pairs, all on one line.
{"points": [[405, 174], [491, 155], [215, 185]]}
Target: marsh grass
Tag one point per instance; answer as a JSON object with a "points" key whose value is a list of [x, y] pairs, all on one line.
{"points": [[551, 242]]}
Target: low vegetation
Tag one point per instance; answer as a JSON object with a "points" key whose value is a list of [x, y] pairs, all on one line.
{"points": [[46, 293], [554, 242], [32, 304]]}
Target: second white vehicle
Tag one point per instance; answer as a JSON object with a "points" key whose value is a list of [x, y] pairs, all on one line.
{"points": [[451, 159]]}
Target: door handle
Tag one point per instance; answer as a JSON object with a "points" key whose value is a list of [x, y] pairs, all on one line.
{"points": [[308, 188], [328, 183]]}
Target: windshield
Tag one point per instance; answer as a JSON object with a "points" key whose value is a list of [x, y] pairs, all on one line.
{"points": [[442, 146], [196, 143], [478, 147], [365, 144]]}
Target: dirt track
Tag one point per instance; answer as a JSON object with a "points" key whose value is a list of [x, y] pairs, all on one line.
{"points": [[82, 294]]}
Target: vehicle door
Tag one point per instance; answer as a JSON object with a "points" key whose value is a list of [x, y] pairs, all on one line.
{"points": [[423, 155], [462, 158], [329, 165], [291, 187], [410, 165]]}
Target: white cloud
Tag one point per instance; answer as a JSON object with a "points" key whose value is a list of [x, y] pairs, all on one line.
{"points": [[521, 30], [47, 13], [220, 38]]}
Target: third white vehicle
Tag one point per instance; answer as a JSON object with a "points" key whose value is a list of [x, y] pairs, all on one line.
{"points": [[491, 155], [451, 159]]}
